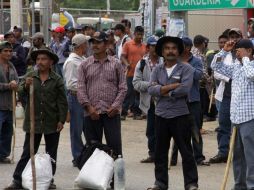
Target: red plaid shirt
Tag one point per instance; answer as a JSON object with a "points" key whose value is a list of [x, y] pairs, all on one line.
{"points": [[101, 83]]}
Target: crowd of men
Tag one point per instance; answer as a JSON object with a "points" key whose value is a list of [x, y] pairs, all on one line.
{"points": [[95, 79]]}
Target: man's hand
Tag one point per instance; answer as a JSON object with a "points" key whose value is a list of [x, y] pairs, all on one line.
{"points": [[242, 52], [229, 45], [165, 89], [112, 112], [59, 127], [13, 85], [93, 113], [29, 81]]}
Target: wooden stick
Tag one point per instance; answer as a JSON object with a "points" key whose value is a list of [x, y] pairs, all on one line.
{"points": [[14, 124], [230, 155], [32, 131], [211, 101], [171, 153]]}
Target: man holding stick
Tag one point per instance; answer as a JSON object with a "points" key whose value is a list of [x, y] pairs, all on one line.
{"points": [[8, 83], [50, 107], [241, 109]]}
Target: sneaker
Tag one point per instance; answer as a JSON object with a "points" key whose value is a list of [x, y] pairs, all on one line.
{"points": [[137, 117], [193, 187], [147, 160], [5, 161], [52, 185], [13, 186], [218, 159], [123, 117]]}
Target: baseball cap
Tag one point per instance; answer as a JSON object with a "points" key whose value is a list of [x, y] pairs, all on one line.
{"points": [[79, 39], [38, 35], [159, 33], [70, 29], [152, 40], [59, 29], [244, 43], [5, 44], [235, 30], [99, 36], [199, 39], [187, 41], [8, 34], [17, 28]]}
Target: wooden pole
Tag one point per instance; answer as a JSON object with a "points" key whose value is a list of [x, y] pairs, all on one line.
{"points": [[230, 155], [171, 153], [32, 131], [211, 101], [14, 124]]}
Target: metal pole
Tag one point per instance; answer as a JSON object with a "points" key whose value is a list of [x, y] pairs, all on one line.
{"points": [[33, 18], [108, 7], [2, 17]]}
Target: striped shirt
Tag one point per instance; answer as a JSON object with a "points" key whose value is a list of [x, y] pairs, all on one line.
{"points": [[5, 91], [101, 84]]}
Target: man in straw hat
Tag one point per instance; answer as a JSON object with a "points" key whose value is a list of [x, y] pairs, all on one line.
{"points": [[171, 83], [242, 107], [50, 107]]}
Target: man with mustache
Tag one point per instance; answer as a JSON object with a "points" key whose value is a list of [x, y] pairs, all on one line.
{"points": [[170, 83]]}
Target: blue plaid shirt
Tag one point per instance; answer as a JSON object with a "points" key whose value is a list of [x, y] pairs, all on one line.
{"points": [[242, 75]]}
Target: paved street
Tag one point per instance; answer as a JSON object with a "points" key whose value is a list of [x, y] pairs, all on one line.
{"points": [[139, 176]]}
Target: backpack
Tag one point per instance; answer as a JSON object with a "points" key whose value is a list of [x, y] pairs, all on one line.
{"points": [[88, 150], [142, 65]]}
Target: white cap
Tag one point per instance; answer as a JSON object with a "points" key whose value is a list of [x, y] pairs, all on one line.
{"points": [[79, 39]]}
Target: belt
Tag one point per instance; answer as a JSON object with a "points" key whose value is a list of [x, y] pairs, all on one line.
{"points": [[72, 92]]}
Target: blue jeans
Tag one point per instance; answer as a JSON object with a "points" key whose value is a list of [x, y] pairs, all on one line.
{"points": [[223, 136], [243, 160], [76, 125], [131, 99], [150, 130], [6, 130]]}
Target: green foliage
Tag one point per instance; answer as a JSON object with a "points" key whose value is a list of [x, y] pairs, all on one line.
{"points": [[101, 4]]}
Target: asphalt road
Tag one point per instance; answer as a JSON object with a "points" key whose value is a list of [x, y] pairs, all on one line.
{"points": [[139, 176]]}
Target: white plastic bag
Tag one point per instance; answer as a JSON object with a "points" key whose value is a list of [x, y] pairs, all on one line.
{"points": [[97, 171], [43, 169], [19, 112]]}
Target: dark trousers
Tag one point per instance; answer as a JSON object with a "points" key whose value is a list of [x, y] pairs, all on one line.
{"points": [[195, 124], [51, 141], [205, 101], [179, 129], [224, 132], [150, 130], [131, 99], [112, 130]]}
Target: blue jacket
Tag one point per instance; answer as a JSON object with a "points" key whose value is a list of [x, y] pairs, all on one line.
{"points": [[19, 60], [196, 63]]}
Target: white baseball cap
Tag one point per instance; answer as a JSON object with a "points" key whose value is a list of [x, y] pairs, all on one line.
{"points": [[79, 39]]}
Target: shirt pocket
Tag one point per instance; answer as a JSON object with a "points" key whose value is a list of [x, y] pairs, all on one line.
{"points": [[110, 75], [176, 78]]}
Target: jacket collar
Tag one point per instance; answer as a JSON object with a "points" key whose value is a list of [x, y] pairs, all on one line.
{"points": [[36, 74]]}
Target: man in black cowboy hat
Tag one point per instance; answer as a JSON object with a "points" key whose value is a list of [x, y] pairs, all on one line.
{"points": [[50, 107], [170, 83]]}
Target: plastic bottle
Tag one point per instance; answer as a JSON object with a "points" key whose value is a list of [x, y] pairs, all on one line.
{"points": [[119, 174]]}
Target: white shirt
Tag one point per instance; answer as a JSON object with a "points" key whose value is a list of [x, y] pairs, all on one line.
{"points": [[70, 71], [170, 70]]}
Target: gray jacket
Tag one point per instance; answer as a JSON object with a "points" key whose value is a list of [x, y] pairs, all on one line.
{"points": [[5, 91], [141, 84], [175, 104]]}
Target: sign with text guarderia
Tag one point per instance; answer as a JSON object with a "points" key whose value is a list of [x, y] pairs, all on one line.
{"points": [[186, 5]]}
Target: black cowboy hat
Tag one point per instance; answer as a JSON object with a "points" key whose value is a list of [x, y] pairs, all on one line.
{"points": [[165, 39], [46, 51]]}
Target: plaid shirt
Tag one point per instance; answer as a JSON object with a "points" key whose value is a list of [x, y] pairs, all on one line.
{"points": [[101, 84], [242, 75]]}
